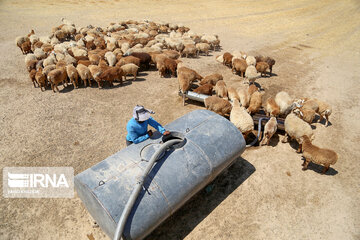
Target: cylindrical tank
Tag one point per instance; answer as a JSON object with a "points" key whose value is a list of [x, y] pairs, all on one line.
{"points": [[210, 144]]}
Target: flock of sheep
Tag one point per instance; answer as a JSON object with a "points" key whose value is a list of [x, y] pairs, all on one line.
{"points": [[121, 49]]}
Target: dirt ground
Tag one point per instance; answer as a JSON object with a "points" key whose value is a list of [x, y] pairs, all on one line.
{"points": [[265, 194]]}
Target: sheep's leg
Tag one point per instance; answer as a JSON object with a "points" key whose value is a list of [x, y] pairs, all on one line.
{"points": [[89, 82], [285, 139], [299, 148], [134, 77], [52, 87], [34, 84], [325, 169], [306, 163], [183, 97], [327, 120], [57, 88], [125, 77]]}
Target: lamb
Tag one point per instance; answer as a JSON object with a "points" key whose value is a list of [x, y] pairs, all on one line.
{"points": [[189, 50], [202, 47], [73, 75], [269, 130], [251, 74], [239, 65], [41, 79], [233, 94], [204, 89], [271, 107], [255, 103], [241, 118], [221, 90], [110, 58], [270, 61], [305, 114], [84, 74], [244, 96], [218, 105], [212, 79], [295, 128], [251, 61], [261, 67], [55, 77], [285, 102], [227, 59], [321, 156], [325, 111], [130, 69], [32, 77]]}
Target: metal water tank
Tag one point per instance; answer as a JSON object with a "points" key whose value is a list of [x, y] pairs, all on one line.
{"points": [[210, 144]]}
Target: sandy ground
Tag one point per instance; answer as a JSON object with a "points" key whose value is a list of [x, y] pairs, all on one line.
{"points": [[265, 194]]}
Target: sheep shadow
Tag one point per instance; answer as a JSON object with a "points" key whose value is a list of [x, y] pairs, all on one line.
{"points": [[274, 141], [272, 75], [319, 168], [204, 202]]}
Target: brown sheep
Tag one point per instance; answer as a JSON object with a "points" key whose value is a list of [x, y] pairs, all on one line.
{"points": [[111, 74], [32, 74], [212, 79], [189, 73], [73, 75], [218, 105], [167, 64], [100, 43], [90, 45], [271, 107], [171, 54], [270, 61], [269, 130], [145, 58], [252, 88], [321, 156], [130, 69], [84, 62], [232, 94], [261, 67], [26, 47], [30, 65], [41, 79], [84, 74], [94, 58], [185, 77], [204, 89], [56, 76], [128, 59], [189, 50], [255, 103], [221, 90], [227, 59], [239, 65]]}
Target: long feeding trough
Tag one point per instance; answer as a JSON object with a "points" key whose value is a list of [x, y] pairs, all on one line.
{"points": [[206, 144]]}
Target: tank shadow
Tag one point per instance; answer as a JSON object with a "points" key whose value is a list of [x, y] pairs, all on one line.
{"points": [[204, 202]]}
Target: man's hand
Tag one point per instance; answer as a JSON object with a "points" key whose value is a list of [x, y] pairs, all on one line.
{"points": [[150, 133], [166, 133]]}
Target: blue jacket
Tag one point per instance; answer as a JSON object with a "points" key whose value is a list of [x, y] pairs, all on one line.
{"points": [[137, 132]]}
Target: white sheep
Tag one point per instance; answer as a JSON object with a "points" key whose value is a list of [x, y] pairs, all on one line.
{"points": [[110, 58], [130, 69], [325, 111], [79, 52], [29, 57], [251, 74], [241, 118], [269, 130], [295, 128], [285, 102], [250, 60], [50, 60], [39, 53]]}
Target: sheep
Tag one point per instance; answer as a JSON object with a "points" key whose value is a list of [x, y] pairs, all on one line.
{"points": [[271, 107], [26, 47], [295, 128], [73, 75], [305, 114], [39, 53], [84, 62], [171, 54], [261, 67], [239, 65], [110, 58], [269, 130], [185, 77], [270, 61], [130, 69], [113, 73], [227, 57], [251, 61], [218, 105], [55, 77], [96, 71], [213, 40], [19, 41], [285, 102], [144, 57], [221, 90], [167, 64], [38, 44], [189, 50], [204, 89], [321, 156], [212, 79], [251, 89], [32, 77], [79, 52], [192, 75], [48, 69], [325, 111], [244, 96], [233, 94], [29, 57], [251, 74], [241, 118], [50, 60], [220, 58], [30, 65], [84, 74], [255, 103], [202, 48], [309, 104], [94, 59], [40, 77], [129, 59]]}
